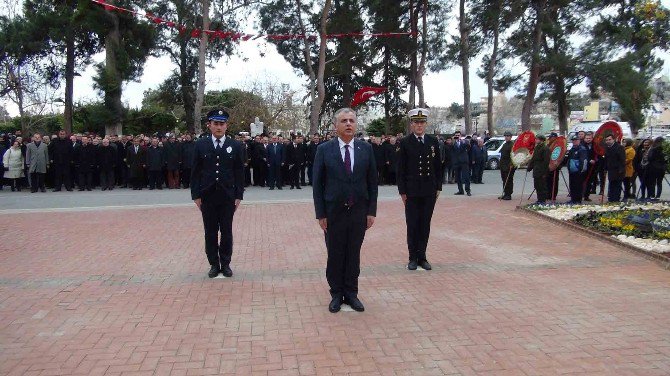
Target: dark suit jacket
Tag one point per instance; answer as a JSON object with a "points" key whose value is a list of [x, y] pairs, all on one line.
{"points": [[135, 161], [419, 167], [230, 165], [295, 155], [615, 158], [333, 186], [275, 154], [460, 154]]}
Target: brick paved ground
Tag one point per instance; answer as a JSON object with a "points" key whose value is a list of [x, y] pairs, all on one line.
{"points": [[124, 292]]}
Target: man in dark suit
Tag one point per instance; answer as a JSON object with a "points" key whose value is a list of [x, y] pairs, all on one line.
{"points": [[275, 162], [61, 153], [259, 161], [217, 187], [419, 184], [615, 164], [461, 164], [295, 159], [345, 201], [311, 153], [136, 161]]}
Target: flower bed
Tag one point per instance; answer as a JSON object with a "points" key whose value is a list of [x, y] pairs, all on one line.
{"points": [[643, 225]]}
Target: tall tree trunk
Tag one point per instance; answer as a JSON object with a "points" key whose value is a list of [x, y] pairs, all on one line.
{"points": [[69, 81], [113, 81], [387, 95], [491, 69], [202, 67], [464, 29], [186, 85], [313, 121], [413, 58], [320, 86], [562, 104], [424, 51], [534, 77]]}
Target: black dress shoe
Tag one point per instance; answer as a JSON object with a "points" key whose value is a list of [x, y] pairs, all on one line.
{"points": [[298, 187], [56, 190], [227, 271], [355, 304], [469, 194], [412, 265], [335, 304], [272, 188], [291, 187], [458, 193], [425, 264], [280, 188], [507, 198], [213, 272]]}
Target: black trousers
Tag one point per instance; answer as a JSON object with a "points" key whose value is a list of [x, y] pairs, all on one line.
{"points": [[418, 213], [507, 177], [36, 181], [62, 176], [260, 173], [107, 178], [294, 174], [344, 237], [540, 185], [274, 175], [577, 186], [85, 179], [186, 177], [217, 217], [156, 179], [614, 190], [302, 174], [552, 184], [462, 173]]}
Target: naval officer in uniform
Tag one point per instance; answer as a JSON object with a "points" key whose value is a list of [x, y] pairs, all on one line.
{"points": [[217, 186], [419, 179]]}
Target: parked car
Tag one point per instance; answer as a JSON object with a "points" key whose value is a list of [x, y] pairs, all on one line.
{"points": [[493, 146]]}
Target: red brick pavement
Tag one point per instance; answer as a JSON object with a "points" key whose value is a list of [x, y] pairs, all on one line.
{"points": [[124, 292]]}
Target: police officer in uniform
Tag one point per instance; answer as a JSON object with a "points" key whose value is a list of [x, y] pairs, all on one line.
{"points": [[217, 187], [419, 177]]}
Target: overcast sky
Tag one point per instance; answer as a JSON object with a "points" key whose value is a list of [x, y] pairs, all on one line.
{"points": [[441, 88]]}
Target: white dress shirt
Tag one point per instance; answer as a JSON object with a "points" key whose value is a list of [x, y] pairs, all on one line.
{"points": [[222, 140], [351, 150]]}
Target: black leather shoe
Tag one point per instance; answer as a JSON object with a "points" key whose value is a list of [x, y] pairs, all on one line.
{"points": [[469, 194], [213, 272], [425, 264], [335, 304], [355, 304], [412, 265], [227, 271], [298, 187], [458, 193], [507, 198], [280, 188], [272, 188]]}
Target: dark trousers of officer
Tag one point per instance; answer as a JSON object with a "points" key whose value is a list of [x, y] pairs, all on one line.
{"points": [[274, 176], [552, 184], [614, 190], [186, 177], [107, 179], [260, 173], [540, 185], [155, 179], [85, 180], [294, 175], [418, 213], [62, 177], [302, 175], [217, 216], [344, 237], [463, 177], [576, 186], [477, 172], [36, 181], [310, 172], [507, 177]]}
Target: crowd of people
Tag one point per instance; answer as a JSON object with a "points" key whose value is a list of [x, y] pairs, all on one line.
{"points": [[88, 161], [631, 170]]}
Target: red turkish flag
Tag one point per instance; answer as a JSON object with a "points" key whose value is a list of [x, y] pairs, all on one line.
{"points": [[365, 93]]}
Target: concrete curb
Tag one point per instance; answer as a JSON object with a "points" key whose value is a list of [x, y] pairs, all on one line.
{"points": [[660, 259]]}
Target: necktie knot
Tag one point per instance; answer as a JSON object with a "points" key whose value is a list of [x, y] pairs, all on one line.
{"points": [[218, 143], [420, 139]]}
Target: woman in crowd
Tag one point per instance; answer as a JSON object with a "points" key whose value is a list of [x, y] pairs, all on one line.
{"points": [[13, 163], [640, 164]]}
